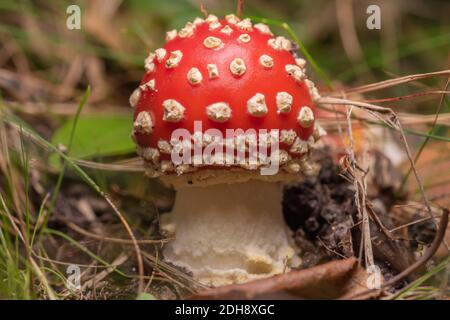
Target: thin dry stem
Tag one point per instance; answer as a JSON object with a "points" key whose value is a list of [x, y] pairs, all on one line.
{"points": [[86, 233], [391, 119], [396, 81]]}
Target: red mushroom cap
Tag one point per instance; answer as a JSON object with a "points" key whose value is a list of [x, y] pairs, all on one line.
{"points": [[228, 74]]}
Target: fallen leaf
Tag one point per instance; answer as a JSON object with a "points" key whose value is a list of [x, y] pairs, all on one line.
{"points": [[333, 280], [145, 296], [96, 136]]}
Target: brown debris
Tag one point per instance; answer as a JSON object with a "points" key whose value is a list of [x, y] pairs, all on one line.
{"points": [[323, 215], [332, 280]]}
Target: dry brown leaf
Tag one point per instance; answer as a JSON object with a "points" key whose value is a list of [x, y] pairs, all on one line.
{"points": [[333, 280]]}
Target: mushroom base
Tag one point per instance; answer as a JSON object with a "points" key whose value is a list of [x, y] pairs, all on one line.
{"points": [[229, 233]]}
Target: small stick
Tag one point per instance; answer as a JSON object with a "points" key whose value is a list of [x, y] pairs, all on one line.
{"points": [[364, 105], [428, 254], [203, 10], [394, 122], [240, 5], [86, 233], [396, 81], [410, 224], [331, 250], [422, 261], [409, 96]]}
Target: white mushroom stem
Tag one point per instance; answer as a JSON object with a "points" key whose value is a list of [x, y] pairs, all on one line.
{"points": [[229, 233]]}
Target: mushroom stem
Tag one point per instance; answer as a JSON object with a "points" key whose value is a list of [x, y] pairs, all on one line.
{"points": [[229, 233]]}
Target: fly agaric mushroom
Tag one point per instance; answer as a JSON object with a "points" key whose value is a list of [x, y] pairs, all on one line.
{"points": [[226, 74]]}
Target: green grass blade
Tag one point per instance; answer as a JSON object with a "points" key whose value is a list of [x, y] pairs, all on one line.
{"points": [[81, 105]]}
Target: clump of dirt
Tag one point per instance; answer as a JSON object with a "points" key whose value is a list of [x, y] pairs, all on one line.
{"points": [[320, 210], [322, 213]]}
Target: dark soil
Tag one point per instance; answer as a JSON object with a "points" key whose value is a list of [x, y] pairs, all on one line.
{"points": [[322, 213]]}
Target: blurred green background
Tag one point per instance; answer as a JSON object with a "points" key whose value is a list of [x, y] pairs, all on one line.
{"points": [[53, 64]]}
